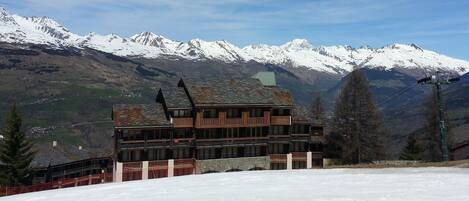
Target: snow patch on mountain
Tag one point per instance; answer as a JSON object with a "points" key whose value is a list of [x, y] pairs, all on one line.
{"points": [[117, 45], [37, 30], [151, 39], [412, 56], [298, 53]]}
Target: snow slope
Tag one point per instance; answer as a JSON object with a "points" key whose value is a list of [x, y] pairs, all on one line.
{"points": [[298, 53], [409, 184]]}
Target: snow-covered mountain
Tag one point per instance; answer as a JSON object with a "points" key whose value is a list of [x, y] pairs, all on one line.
{"points": [[298, 53]]}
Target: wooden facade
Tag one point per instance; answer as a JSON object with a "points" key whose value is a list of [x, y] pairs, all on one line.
{"points": [[188, 128]]}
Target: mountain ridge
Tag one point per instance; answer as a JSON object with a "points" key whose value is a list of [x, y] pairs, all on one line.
{"points": [[298, 53]]}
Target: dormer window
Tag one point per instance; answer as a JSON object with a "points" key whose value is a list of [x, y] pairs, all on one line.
{"points": [[233, 113], [256, 112], [182, 113], [281, 112], [210, 113]]}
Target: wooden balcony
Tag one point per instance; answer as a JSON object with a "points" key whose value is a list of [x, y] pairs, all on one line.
{"points": [[278, 158], [298, 156], [317, 155], [280, 120], [182, 122], [223, 122], [234, 122]]}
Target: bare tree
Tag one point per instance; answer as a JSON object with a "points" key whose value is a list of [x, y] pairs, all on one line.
{"points": [[317, 108], [431, 140], [357, 126]]}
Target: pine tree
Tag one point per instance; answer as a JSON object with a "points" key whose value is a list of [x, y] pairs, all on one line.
{"points": [[357, 124], [15, 152], [412, 151], [317, 109]]}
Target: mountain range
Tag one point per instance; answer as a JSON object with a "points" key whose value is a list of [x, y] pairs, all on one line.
{"points": [[298, 53], [65, 84]]}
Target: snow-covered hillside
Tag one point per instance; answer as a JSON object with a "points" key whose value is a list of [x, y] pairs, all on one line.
{"points": [[297, 53], [409, 184]]}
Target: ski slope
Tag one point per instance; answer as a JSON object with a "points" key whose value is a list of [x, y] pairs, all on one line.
{"points": [[409, 184]]}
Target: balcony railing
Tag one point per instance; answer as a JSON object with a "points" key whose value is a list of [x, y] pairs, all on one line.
{"points": [[278, 158], [223, 122], [235, 122], [182, 122], [298, 156], [257, 121], [280, 120], [210, 122]]}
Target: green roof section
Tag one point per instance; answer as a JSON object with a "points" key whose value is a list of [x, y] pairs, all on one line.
{"points": [[266, 78]]}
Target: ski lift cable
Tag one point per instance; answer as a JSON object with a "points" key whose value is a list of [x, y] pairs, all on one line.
{"points": [[398, 93]]}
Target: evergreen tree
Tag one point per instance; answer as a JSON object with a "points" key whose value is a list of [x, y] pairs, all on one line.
{"points": [[412, 150], [357, 124], [15, 152], [317, 109]]}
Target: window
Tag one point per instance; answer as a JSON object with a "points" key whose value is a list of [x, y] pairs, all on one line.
{"points": [[130, 135], [279, 130], [181, 152], [317, 147], [251, 151], [182, 133], [206, 153], [277, 148], [229, 152], [210, 113], [299, 164], [299, 146], [317, 162], [256, 112], [157, 154], [233, 113], [131, 155], [232, 132], [281, 112], [257, 131], [210, 133], [158, 134], [182, 113], [301, 129], [278, 166], [244, 132]]}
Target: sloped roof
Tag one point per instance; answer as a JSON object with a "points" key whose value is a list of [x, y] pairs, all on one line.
{"points": [[281, 97], [176, 97], [299, 114], [247, 91], [129, 115]]}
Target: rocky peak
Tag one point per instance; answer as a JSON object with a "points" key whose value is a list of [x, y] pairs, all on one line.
{"points": [[6, 18], [50, 26]]}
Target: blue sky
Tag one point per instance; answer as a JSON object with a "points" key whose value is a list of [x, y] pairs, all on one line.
{"points": [[442, 26]]}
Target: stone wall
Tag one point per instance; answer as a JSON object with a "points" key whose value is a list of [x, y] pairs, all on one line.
{"points": [[232, 164]]}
